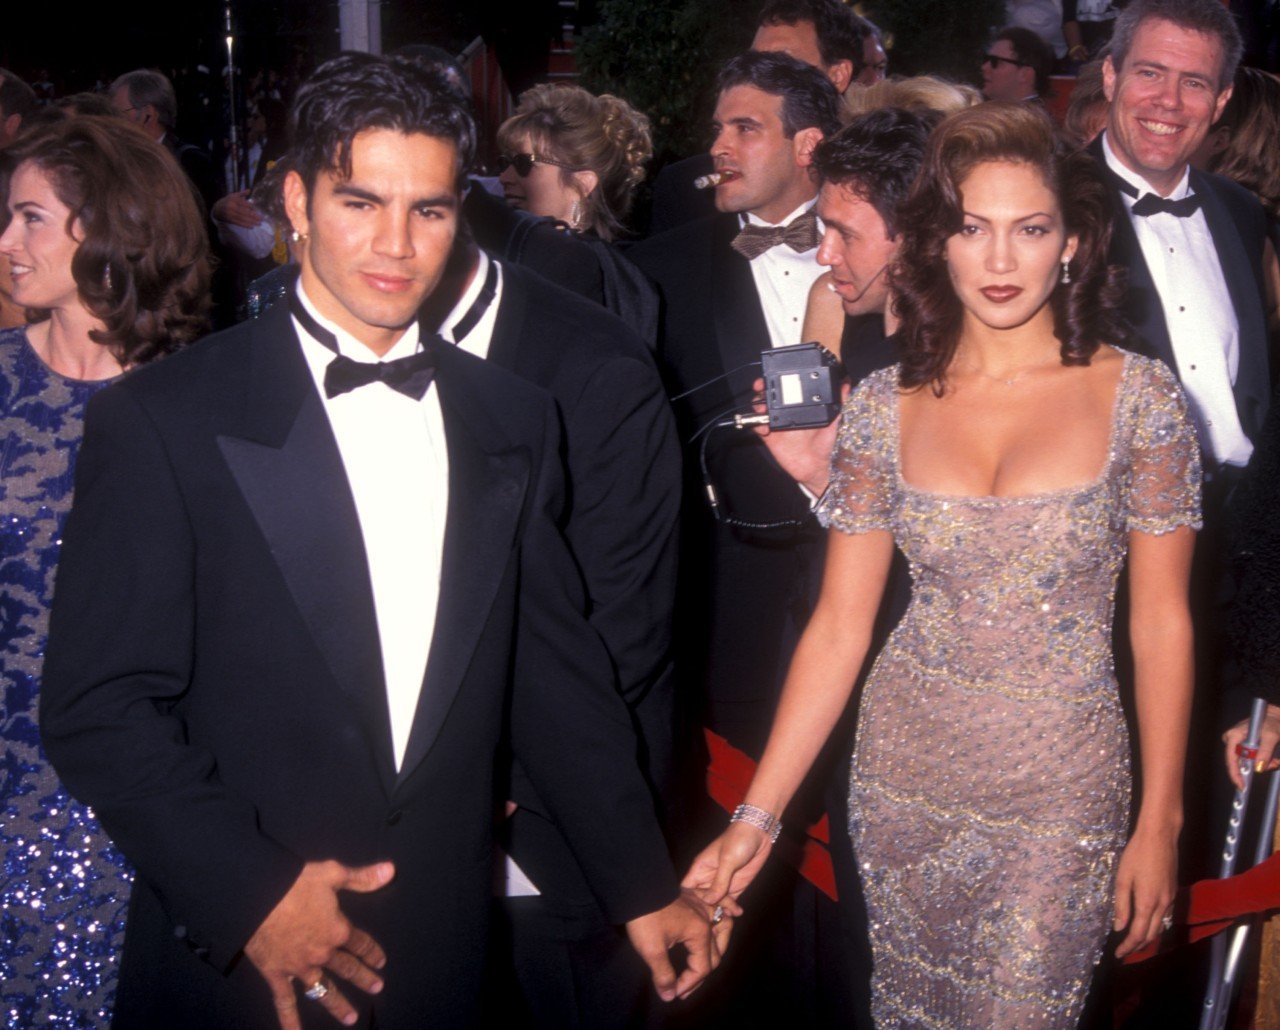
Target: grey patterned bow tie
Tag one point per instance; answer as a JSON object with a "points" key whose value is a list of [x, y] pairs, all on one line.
{"points": [[800, 234]]}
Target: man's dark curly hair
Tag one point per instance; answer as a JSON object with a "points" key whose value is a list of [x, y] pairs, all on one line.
{"points": [[877, 156], [1086, 312], [355, 92]]}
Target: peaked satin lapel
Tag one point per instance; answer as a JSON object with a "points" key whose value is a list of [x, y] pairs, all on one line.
{"points": [[1142, 299], [285, 461], [1252, 385], [741, 331], [488, 479], [1142, 302]]}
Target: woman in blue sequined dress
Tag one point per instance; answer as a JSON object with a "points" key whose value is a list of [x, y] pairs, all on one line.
{"points": [[1019, 461], [108, 253]]}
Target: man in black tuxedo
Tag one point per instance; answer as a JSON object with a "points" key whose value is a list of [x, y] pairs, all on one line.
{"points": [[732, 286], [825, 34], [623, 465], [1193, 245], [302, 594], [1192, 242]]}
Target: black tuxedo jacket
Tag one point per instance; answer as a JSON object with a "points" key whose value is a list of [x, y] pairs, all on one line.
{"points": [[1239, 228], [214, 684], [623, 465], [743, 594]]}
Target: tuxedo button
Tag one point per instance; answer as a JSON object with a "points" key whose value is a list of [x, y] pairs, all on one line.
{"points": [[180, 932], [394, 817]]}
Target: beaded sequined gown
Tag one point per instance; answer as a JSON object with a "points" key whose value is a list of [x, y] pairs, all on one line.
{"points": [[990, 784], [63, 886]]}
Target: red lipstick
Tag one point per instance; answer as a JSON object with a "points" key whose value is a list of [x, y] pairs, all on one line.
{"points": [[1000, 294]]}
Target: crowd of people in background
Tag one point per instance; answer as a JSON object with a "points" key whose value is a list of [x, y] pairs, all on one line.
{"points": [[451, 635]]}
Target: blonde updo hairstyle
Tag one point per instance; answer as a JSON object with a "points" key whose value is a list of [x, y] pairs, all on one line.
{"points": [[920, 92], [601, 134]]}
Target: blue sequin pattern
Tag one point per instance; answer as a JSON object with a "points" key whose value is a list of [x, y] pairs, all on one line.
{"points": [[65, 888], [989, 794]]}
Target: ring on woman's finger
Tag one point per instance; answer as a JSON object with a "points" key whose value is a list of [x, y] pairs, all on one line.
{"points": [[1166, 924], [717, 915], [316, 991]]}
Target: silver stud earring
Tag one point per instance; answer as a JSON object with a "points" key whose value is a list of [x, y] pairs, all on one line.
{"points": [[1066, 272], [297, 237]]}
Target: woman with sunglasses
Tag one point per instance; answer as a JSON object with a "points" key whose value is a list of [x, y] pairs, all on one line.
{"points": [[576, 158]]}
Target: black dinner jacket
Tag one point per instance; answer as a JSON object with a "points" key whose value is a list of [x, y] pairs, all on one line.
{"points": [[214, 686], [623, 466], [743, 594], [1238, 225]]}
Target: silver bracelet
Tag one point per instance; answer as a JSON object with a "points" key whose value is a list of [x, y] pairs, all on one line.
{"points": [[760, 819]]}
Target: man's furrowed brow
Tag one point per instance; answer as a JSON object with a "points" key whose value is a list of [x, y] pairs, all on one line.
{"points": [[346, 189]]}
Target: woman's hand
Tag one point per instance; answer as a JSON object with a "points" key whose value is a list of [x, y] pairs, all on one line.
{"points": [[1270, 736], [1146, 883], [727, 866]]}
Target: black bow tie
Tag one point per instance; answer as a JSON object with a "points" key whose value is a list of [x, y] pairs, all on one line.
{"points": [[1150, 204], [410, 375]]}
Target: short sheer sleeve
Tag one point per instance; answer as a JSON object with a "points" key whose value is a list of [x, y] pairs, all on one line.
{"points": [[861, 493], [1164, 470]]}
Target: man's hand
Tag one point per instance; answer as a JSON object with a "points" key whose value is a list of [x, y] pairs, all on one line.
{"points": [[306, 933], [803, 454], [685, 921], [237, 209]]}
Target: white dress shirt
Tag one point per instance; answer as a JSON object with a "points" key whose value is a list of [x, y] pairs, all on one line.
{"points": [[1201, 319], [783, 277], [397, 465]]}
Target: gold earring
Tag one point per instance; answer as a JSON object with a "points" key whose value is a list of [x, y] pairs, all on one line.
{"points": [[297, 237]]}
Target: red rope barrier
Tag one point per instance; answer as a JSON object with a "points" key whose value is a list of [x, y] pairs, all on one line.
{"points": [[729, 772]]}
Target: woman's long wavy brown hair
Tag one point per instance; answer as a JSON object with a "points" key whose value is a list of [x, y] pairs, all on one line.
{"points": [[143, 266], [1086, 313]]}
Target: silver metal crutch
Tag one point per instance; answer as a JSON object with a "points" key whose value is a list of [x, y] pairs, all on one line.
{"points": [[1228, 947]]}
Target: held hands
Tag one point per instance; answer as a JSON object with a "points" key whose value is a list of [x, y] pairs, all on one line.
{"points": [[685, 921], [803, 454], [307, 934], [727, 865], [1146, 882], [1266, 760]]}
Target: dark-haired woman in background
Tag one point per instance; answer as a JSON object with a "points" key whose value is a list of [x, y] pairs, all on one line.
{"points": [[1016, 457], [109, 256]]}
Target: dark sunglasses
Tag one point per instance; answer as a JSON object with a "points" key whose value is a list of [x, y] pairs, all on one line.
{"points": [[995, 60], [523, 163]]}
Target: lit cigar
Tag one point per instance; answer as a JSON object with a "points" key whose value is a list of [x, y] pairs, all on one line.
{"points": [[705, 182]]}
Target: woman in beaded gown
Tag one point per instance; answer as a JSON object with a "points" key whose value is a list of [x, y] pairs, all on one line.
{"points": [[1018, 460], [109, 256]]}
